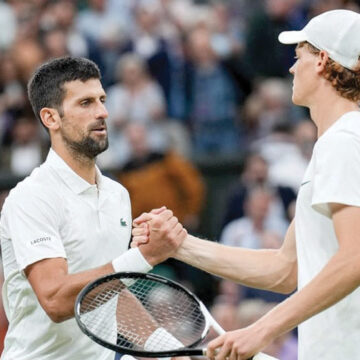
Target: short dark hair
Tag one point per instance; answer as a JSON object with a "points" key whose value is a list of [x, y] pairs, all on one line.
{"points": [[46, 86]]}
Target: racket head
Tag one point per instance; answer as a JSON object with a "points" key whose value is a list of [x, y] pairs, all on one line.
{"points": [[97, 308]]}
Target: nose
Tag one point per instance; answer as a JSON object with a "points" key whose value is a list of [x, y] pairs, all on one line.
{"points": [[101, 111], [292, 70]]}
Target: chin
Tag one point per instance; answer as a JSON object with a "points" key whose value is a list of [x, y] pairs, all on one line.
{"points": [[296, 100]]}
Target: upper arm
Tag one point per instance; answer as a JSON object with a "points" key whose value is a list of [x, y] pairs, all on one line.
{"points": [[31, 220], [46, 277], [346, 220]]}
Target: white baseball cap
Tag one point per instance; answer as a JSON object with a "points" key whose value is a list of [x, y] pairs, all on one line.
{"points": [[336, 31]]}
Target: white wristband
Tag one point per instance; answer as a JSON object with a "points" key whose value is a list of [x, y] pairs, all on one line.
{"points": [[131, 260], [163, 337]]}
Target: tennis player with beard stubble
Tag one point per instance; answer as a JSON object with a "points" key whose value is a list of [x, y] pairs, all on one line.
{"points": [[321, 251], [66, 224]]}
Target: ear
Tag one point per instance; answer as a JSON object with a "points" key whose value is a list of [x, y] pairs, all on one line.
{"points": [[322, 59], [50, 118]]}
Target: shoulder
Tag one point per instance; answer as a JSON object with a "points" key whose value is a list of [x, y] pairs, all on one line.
{"points": [[344, 135], [38, 188]]}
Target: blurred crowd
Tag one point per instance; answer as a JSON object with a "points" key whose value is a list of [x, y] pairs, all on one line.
{"points": [[186, 80]]}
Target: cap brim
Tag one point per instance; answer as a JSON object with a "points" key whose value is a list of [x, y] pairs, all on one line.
{"points": [[292, 37]]}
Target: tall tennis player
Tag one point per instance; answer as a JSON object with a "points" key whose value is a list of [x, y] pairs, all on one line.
{"points": [[320, 255]]}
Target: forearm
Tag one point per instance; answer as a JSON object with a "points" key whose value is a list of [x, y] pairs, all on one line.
{"points": [[57, 289], [338, 278], [60, 301], [266, 269]]}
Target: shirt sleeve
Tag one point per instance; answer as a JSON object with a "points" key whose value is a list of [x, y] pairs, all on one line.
{"points": [[337, 172], [32, 224]]}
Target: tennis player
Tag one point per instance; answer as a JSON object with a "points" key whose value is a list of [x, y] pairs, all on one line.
{"points": [[321, 252], [66, 224]]}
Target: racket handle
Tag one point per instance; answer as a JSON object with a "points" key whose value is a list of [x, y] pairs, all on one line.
{"points": [[262, 356], [252, 358], [259, 356]]}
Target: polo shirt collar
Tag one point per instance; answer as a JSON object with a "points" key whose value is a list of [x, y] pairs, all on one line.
{"points": [[75, 182]]}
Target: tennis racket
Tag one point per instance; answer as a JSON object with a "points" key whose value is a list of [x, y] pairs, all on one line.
{"points": [[145, 315]]}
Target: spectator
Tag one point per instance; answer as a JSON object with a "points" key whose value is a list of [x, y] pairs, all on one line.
{"points": [[288, 168], [154, 179], [227, 34], [25, 152], [60, 14], [12, 92], [268, 107], [255, 173], [7, 26], [27, 55], [104, 39], [213, 99], [150, 39], [252, 230], [135, 98], [258, 229], [54, 42], [271, 58]]}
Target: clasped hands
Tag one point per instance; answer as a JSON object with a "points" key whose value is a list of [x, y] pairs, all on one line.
{"points": [[159, 235]]}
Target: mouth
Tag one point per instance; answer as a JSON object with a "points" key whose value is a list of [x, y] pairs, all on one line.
{"points": [[100, 130]]}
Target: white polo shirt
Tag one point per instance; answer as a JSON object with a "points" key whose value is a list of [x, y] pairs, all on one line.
{"points": [[333, 176], [55, 213]]}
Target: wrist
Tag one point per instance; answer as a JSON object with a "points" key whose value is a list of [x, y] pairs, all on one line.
{"points": [[131, 260], [266, 329], [184, 248], [147, 255]]}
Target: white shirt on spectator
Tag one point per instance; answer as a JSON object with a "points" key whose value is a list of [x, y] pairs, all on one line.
{"points": [[242, 233]]}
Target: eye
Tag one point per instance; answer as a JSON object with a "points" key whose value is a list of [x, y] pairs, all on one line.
{"points": [[85, 102]]}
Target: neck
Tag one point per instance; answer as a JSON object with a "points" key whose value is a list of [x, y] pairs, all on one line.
{"points": [[79, 163], [327, 109]]}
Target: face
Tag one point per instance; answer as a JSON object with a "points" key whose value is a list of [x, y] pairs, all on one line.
{"points": [[83, 129], [304, 72]]}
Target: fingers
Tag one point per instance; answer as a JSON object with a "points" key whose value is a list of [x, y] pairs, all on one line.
{"points": [[142, 218], [158, 211], [140, 240], [140, 235], [228, 347], [141, 230], [213, 345], [161, 221], [148, 216]]}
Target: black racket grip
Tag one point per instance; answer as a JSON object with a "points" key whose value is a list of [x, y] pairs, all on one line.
{"points": [[204, 354]]}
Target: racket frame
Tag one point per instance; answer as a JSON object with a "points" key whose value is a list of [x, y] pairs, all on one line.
{"points": [[185, 351]]}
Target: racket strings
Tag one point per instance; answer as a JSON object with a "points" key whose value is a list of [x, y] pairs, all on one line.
{"points": [[128, 315]]}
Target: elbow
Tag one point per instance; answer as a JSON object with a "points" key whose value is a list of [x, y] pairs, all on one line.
{"points": [[52, 309], [287, 283], [287, 288]]}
